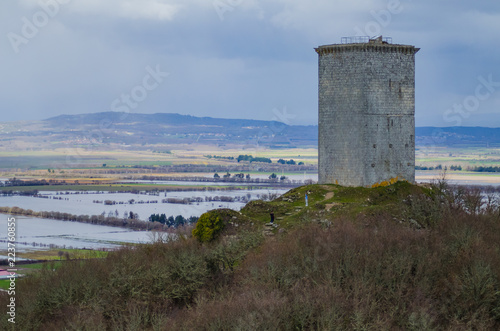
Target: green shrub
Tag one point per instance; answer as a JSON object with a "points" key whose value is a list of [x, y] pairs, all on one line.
{"points": [[208, 227]]}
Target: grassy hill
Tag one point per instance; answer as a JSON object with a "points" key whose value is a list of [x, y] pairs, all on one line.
{"points": [[396, 257]]}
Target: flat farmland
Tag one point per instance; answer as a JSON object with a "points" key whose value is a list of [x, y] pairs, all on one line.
{"points": [[458, 156], [85, 158], [97, 168]]}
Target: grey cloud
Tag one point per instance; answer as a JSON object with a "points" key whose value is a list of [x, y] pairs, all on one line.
{"points": [[259, 57]]}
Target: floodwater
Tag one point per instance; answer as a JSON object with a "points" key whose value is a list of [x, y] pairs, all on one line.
{"points": [[92, 203], [36, 234], [190, 183], [297, 176], [41, 234], [459, 178]]}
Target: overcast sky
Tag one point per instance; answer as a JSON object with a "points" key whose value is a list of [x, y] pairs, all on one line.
{"points": [[236, 58]]}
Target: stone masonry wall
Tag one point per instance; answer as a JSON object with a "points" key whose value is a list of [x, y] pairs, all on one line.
{"points": [[366, 113]]}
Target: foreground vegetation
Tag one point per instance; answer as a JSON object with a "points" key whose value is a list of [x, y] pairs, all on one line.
{"points": [[397, 257]]}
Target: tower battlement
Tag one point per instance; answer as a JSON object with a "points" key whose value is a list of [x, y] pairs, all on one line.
{"points": [[372, 45]]}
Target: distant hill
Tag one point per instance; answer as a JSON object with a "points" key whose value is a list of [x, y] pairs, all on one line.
{"points": [[167, 128], [169, 119], [457, 136], [136, 130]]}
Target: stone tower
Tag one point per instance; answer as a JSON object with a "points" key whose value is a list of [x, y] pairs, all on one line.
{"points": [[366, 112]]}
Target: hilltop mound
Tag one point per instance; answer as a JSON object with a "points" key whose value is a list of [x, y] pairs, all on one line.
{"points": [[401, 202], [327, 202]]}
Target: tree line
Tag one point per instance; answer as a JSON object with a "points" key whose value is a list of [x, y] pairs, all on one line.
{"points": [[219, 157], [484, 169], [459, 168], [251, 159], [173, 222], [129, 221], [290, 162]]}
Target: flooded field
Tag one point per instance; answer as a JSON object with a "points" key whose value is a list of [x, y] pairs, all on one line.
{"points": [[93, 203], [41, 234], [459, 178]]}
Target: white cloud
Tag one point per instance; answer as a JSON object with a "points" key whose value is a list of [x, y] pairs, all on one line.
{"points": [[312, 16], [148, 9], [131, 9]]}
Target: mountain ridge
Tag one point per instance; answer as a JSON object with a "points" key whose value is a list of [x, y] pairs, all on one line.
{"points": [[136, 129]]}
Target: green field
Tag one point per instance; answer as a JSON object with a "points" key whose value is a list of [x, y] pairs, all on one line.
{"points": [[54, 255], [39, 266], [4, 284], [462, 156], [87, 159], [24, 269], [88, 167]]}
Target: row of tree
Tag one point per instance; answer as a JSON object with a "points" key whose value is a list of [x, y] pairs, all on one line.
{"points": [[439, 167], [273, 176], [291, 162], [130, 220], [32, 182], [484, 169], [251, 159], [236, 176], [173, 222], [219, 157], [21, 193], [459, 168]]}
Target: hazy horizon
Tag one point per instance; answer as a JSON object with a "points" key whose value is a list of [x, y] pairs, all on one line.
{"points": [[251, 119]]}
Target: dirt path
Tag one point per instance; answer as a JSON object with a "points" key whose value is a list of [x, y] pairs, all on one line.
{"points": [[329, 195]]}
